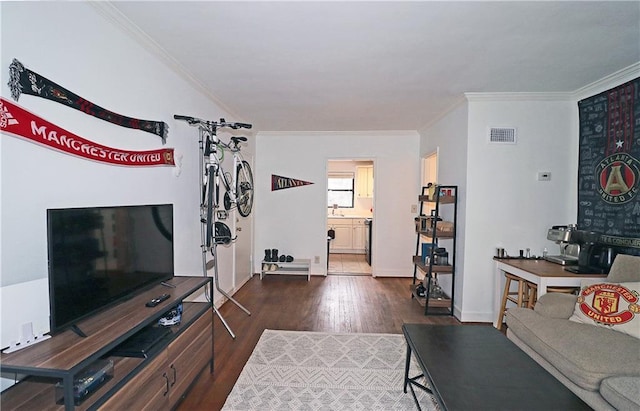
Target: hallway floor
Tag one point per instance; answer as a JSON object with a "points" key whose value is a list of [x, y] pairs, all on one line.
{"points": [[335, 303], [348, 264]]}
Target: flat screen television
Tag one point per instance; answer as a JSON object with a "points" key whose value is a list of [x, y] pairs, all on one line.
{"points": [[103, 255]]}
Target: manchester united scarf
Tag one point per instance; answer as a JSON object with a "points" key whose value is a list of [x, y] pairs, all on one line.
{"points": [[19, 122], [23, 80]]}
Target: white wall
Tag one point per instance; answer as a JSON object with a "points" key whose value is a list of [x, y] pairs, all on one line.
{"points": [[449, 138], [502, 203], [295, 220], [506, 205], [75, 46]]}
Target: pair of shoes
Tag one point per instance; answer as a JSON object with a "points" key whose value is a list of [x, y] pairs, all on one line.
{"points": [[271, 255], [269, 267], [420, 290]]}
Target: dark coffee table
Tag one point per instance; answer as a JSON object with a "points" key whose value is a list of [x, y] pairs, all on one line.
{"points": [[475, 367]]}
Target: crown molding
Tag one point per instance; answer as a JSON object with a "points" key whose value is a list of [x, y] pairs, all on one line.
{"points": [[605, 83], [120, 21], [373, 133], [457, 103], [515, 96]]}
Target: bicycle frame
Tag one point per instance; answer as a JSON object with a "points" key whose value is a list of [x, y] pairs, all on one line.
{"points": [[211, 147], [238, 186], [213, 173]]}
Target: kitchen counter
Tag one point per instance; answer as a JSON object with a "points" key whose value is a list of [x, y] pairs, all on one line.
{"points": [[347, 216]]}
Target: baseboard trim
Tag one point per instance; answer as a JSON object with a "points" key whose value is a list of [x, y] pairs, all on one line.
{"points": [[390, 273]]}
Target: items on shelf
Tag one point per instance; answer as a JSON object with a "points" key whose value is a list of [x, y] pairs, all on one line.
{"points": [[171, 317], [271, 256], [87, 381], [433, 258]]}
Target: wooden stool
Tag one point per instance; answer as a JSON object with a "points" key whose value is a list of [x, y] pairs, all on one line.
{"points": [[521, 298], [533, 293]]}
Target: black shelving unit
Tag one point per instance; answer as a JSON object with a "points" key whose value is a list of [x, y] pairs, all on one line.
{"points": [[438, 232]]}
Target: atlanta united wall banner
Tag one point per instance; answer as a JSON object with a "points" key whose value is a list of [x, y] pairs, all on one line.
{"points": [[609, 165]]}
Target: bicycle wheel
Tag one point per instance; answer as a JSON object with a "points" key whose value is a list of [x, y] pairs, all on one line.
{"points": [[210, 233], [244, 188]]}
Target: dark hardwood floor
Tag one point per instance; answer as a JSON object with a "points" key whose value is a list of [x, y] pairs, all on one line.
{"points": [[354, 304]]}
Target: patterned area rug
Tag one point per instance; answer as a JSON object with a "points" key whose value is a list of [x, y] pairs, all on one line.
{"points": [[299, 370]]}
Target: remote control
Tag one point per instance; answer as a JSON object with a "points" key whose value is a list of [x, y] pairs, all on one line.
{"points": [[157, 300]]}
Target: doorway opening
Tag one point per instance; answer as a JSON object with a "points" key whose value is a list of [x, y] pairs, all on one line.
{"points": [[429, 175], [430, 168], [350, 201]]}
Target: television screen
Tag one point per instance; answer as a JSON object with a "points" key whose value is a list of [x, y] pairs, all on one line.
{"points": [[99, 256]]}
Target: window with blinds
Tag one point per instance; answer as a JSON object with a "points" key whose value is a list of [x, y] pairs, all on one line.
{"points": [[340, 190]]}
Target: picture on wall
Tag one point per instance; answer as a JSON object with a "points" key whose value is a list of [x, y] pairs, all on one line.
{"points": [[609, 166]]}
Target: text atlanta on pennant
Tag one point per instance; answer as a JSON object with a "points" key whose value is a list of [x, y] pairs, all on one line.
{"points": [[280, 182]]}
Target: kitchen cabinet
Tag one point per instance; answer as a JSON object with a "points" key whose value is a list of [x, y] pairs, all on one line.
{"points": [[344, 234], [350, 235], [364, 181], [358, 234]]}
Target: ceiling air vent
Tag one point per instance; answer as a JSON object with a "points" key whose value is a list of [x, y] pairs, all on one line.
{"points": [[502, 135]]}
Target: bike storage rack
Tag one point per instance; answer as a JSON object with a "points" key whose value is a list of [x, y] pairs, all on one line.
{"points": [[208, 129]]}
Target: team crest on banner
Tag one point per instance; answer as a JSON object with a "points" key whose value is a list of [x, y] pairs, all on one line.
{"points": [[280, 182], [609, 166], [606, 302]]}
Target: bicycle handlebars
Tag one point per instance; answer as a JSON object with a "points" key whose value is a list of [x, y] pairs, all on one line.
{"points": [[193, 121]]}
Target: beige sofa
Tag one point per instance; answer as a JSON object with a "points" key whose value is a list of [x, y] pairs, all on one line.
{"points": [[599, 365]]}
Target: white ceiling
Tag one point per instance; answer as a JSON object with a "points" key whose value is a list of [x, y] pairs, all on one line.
{"points": [[354, 65]]}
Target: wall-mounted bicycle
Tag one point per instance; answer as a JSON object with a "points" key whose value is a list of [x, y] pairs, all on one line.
{"points": [[238, 191]]}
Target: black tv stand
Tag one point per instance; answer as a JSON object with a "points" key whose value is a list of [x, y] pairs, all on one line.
{"points": [[78, 331]]}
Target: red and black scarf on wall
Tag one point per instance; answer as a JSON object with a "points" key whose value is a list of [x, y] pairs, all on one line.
{"points": [[609, 166], [22, 80]]}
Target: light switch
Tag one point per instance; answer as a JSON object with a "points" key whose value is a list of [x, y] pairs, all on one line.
{"points": [[544, 176]]}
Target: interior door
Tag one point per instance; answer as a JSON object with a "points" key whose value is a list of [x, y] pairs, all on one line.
{"points": [[243, 246]]}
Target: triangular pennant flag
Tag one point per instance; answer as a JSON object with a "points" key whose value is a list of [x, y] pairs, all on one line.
{"points": [[280, 183]]}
